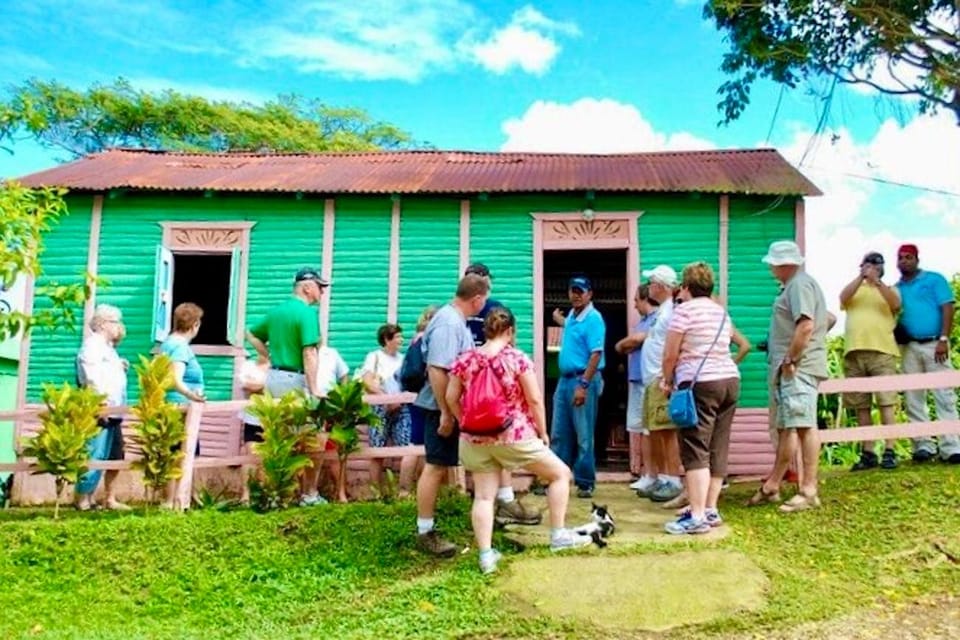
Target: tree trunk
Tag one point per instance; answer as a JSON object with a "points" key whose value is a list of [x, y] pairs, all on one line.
{"points": [[342, 479]]}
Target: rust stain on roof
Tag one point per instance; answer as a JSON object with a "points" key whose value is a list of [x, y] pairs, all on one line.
{"points": [[742, 171]]}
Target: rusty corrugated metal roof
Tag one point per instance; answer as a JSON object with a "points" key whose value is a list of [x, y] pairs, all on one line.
{"points": [[746, 171]]}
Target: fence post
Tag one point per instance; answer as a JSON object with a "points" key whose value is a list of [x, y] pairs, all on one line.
{"points": [[192, 424]]}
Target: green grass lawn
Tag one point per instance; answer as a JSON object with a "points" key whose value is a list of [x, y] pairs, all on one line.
{"points": [[882, 539]]}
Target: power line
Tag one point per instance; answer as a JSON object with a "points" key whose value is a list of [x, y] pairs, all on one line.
{"points": [[886, 181]]}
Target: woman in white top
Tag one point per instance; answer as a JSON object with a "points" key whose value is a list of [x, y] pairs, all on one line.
{"points": [[379, 375], [697, 352]]}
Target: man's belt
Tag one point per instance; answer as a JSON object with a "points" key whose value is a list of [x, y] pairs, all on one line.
{"points": [[288, 369]]}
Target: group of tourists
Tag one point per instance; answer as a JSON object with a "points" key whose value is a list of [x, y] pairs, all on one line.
{"points": [[685, 341]]}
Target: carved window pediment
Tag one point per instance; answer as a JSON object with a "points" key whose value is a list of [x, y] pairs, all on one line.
{"points": [[595, 229]]}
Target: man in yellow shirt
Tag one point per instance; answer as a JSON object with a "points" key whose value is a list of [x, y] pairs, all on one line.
{"points": [[870, 349]]}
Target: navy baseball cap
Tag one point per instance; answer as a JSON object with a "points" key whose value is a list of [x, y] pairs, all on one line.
{"points": [[309, 273], [478, 268], [581, 282]]}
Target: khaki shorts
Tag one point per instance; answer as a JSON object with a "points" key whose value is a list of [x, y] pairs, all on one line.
{"points": [[867, 364], [635, 394], [481, 458], [656, 417], [796, 401]]}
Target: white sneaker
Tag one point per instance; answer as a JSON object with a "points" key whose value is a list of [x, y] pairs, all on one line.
{"points": [[312, 501], [567, 539], [643, 483], [489, 564]]}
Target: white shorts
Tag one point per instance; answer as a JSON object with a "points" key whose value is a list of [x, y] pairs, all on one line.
{"points": [[635, 408]]}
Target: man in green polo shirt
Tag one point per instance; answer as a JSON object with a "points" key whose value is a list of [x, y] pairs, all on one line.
{"points": [[288, 335]]}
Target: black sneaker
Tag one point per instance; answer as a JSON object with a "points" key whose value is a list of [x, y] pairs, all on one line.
{"points": [[889, 460], [922, 456], [868, 460]]}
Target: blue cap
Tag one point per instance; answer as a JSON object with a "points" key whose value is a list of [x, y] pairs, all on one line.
{"points": [[581, 282]]}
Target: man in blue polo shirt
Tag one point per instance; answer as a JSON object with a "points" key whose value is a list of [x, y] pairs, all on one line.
{"points": [[578, 390], [924, 335]]}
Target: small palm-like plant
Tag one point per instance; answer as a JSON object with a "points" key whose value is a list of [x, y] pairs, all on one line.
{"points": [[286, 425], [340, 412], [161, 427], [69, 421]]}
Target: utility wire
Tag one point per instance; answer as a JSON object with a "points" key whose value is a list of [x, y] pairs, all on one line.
{"points": [[886, 181]]}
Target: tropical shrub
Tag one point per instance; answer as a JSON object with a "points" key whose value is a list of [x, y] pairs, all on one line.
{"points": [[161, 425], [287, 424], [339, 413], [69, 421]]}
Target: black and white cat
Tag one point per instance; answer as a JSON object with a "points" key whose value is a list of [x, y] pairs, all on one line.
{"points": [[600, 527]]}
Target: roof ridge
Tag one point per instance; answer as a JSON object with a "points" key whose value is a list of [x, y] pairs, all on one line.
{"points": [[434, 152]]}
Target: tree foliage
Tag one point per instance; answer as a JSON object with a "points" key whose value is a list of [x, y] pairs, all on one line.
{"points": [[119, 115], [25, 215], [913, 46]]}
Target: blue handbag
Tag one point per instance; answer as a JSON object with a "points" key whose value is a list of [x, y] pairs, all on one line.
{"points": [[682, 406]]}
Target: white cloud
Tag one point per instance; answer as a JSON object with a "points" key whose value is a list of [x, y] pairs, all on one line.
{"points": [[842, 225], [590, 125], [528, 42], [404, 39]]}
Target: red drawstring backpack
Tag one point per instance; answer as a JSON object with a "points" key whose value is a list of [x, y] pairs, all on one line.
{"points": [[484, 410]]}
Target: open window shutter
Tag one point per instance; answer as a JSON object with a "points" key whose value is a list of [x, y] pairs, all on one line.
{"points": [[234, 322], [162, 294]]}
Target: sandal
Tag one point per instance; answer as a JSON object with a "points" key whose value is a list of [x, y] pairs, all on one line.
{"points": [[800, 502], [762, 497]]}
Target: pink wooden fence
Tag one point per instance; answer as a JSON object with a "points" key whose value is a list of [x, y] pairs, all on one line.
{"points": [[219, 422]]}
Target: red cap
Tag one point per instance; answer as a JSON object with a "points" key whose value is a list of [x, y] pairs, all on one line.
{"points": [[909, 248]]}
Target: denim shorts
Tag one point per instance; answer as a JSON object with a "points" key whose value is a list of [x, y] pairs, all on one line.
{"points": [[441, 451]]}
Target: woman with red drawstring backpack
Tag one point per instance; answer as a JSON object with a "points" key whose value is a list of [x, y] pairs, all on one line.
{"points": [[496, 399]]}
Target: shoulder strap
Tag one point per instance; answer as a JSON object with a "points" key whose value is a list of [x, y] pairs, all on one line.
{"points": [[723, 323]]}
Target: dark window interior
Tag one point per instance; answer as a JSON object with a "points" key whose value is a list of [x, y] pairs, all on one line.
{"points": [[205, 281], [607, 270]]}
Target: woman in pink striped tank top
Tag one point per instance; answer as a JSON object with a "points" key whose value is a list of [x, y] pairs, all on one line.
{"points": [[697, 353]]}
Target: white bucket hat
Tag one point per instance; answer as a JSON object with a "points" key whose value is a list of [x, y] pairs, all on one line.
{"points": [[783, 252], [663, 274]]}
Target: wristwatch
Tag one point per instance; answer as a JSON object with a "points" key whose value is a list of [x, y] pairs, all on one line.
{"points": [[583, 382], [787, 360]]}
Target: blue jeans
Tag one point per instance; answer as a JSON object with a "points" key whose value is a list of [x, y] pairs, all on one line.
{"points": [[106, 445], [572, 428]]}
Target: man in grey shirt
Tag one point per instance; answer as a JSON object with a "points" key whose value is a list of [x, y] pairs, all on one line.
{"points": [[797, 358], [445, 338]]}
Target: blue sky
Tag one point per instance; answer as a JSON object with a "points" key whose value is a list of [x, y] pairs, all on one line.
{"points": [[554, 75]]}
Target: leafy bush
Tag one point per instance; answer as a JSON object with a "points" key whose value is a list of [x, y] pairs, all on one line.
{"points": [[69, 421], [287, 426], [340, 412], [161, 427]]}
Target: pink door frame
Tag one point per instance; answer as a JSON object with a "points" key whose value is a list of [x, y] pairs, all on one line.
{"points": [[581, 232]]}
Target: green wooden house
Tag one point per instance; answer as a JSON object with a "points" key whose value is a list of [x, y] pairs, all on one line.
{"points": [[394, 230]]}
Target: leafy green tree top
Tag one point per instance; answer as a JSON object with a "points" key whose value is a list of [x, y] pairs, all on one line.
{"points": [[119, 115], [916, 44], [25, 215]]}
